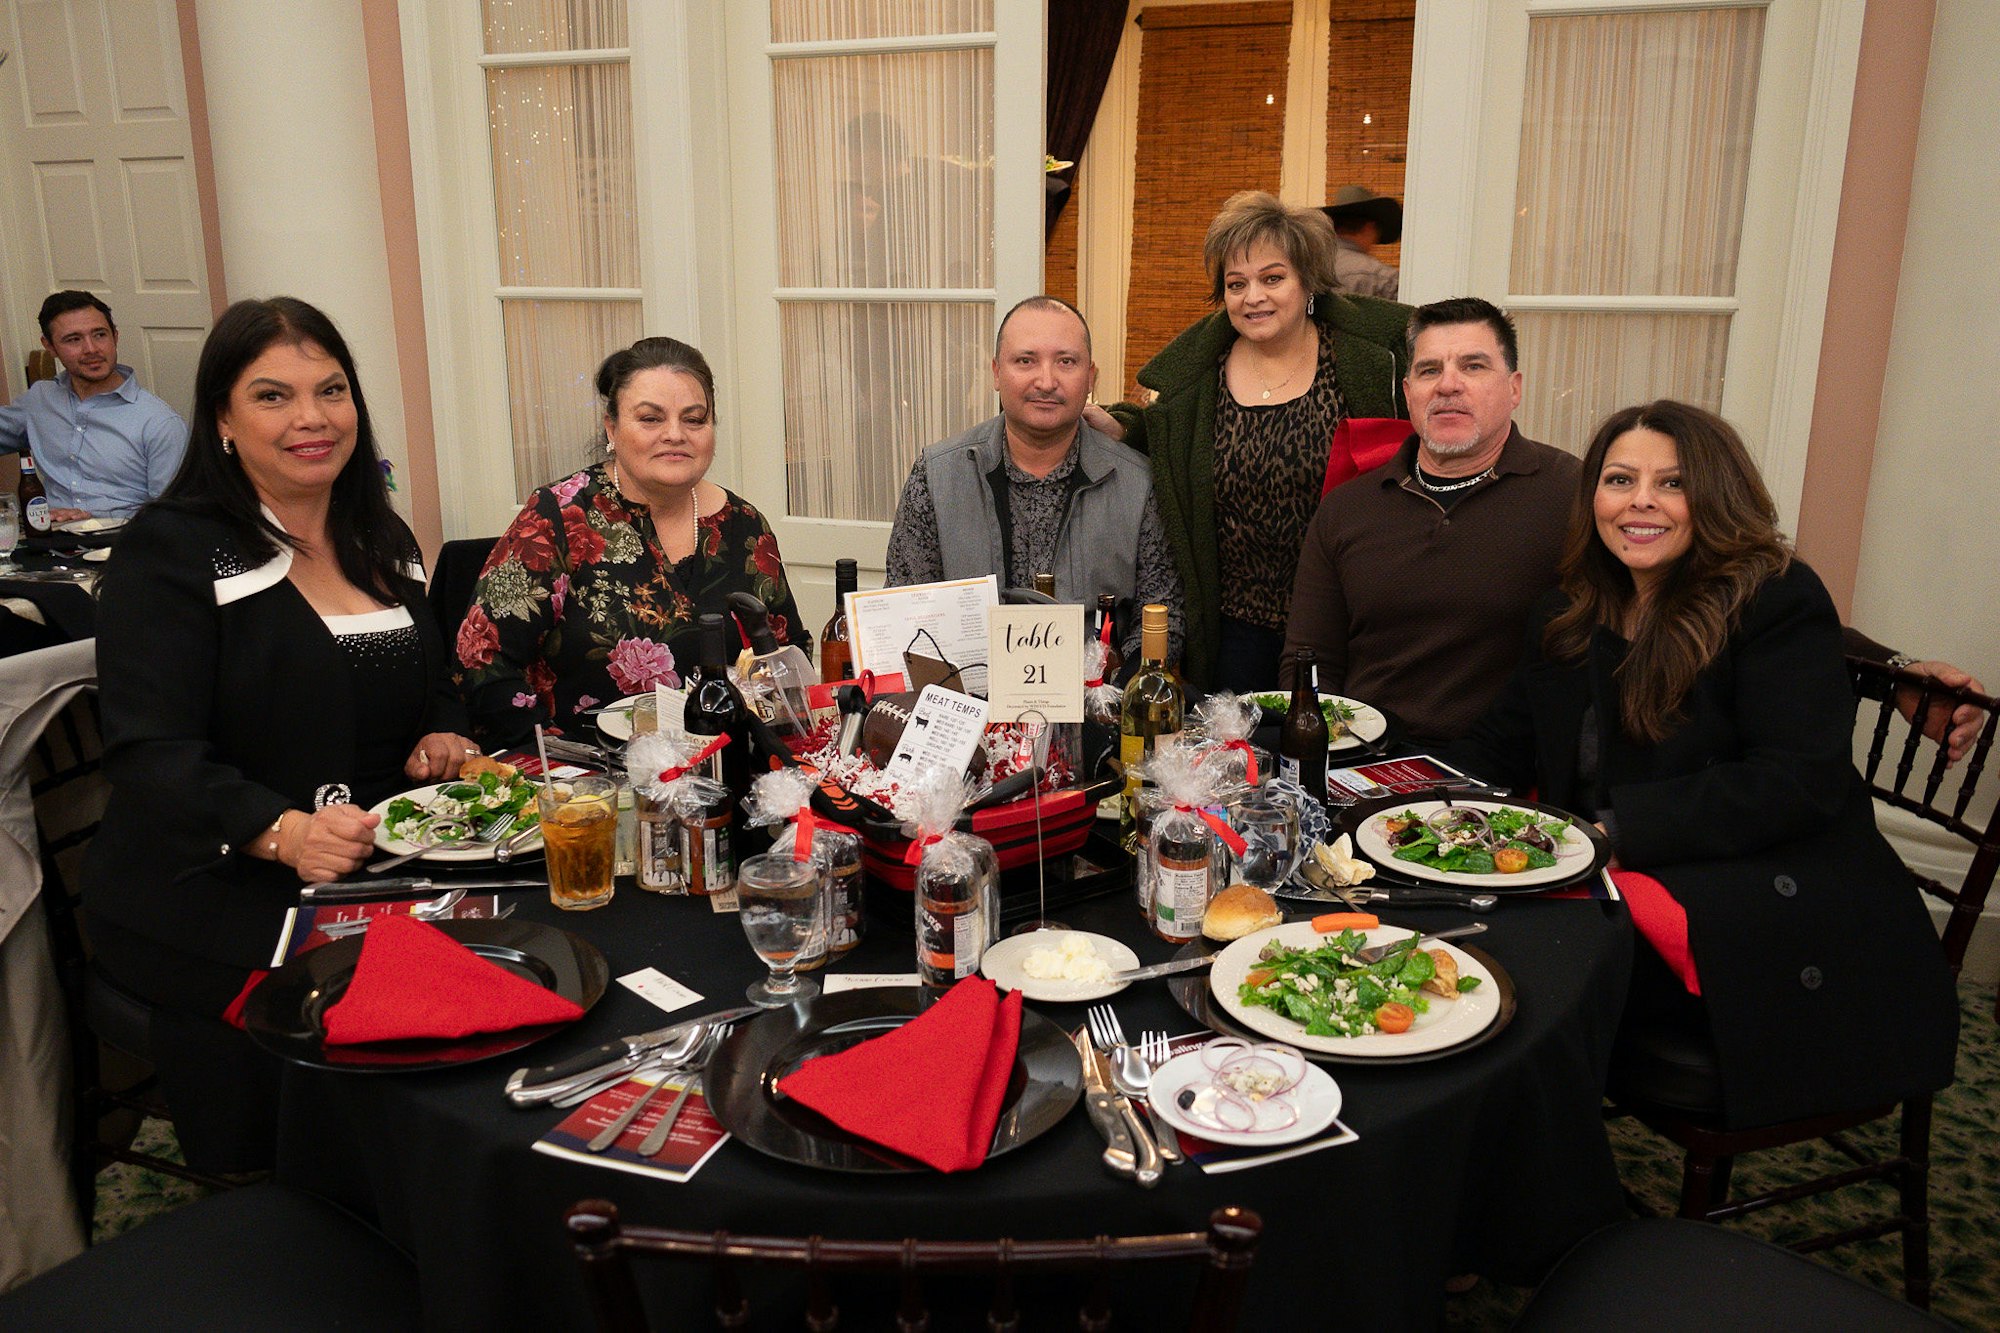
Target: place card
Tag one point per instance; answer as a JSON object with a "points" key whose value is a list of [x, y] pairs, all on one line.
{"points": [[1034, 662], [835, 982], [658, 989]]}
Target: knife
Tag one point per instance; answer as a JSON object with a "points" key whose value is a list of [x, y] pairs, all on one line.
{"points": [[1132, 1150], [1102, 1105], [1162, 969], [532, 1087], [402, 886]]}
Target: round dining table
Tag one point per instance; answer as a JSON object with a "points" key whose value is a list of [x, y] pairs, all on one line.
{"points": [[1492, 1160]]}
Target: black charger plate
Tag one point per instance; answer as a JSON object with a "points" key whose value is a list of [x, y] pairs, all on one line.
{"points": [[286, 1013], [741, 1081]]}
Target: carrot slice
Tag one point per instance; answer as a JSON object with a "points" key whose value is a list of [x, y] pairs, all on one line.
{"points": [[1336, 921]]}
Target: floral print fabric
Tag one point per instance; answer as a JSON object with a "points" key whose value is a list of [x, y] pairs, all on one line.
{"points": [[578, 604]]}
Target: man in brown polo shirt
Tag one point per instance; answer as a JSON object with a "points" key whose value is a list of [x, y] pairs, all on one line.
{"points": [[1416, 579]]}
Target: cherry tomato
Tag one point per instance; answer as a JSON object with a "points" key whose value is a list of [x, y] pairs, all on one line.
{"points": [[1393, 1017]]}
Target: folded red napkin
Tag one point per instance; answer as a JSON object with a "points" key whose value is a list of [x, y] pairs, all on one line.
{"points": [[932, 1088], [413, 980], [1662, 921]]}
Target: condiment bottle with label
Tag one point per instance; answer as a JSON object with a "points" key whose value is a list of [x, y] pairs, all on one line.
{"points": [[1303, 740], [34, 497], [836, 644], [1184, 846], [957, 884]]}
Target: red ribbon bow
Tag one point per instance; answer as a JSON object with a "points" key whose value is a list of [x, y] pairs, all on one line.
{"points": [[1103, 637], [1249, 758], [807, 824], [1230, 837], [915, 853], [675, 772]]}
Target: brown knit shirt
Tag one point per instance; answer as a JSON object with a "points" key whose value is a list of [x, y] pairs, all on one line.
{"points": [[1421, 612]]}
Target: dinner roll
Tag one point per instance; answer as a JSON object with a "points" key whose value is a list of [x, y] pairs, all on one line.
{"points": [[1239, 910]]}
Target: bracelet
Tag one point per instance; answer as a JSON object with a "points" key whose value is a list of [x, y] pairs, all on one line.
{"points": [[1901, 661], [277, 827]]}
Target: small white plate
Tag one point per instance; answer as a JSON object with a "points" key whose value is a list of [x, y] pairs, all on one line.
{"points": [[1446, 1023], [98, 556], [476, 851], [87, 525], [1573, 854], [1364, 728], [1003, 962], [1317, 1099], [615, 722]]}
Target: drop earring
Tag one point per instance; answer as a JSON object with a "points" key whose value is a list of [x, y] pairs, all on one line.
{"points": [[1309, 304]]}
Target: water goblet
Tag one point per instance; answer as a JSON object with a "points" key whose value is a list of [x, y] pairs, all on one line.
{"points": [[10, 529], [1270, 831], [783, 908]]}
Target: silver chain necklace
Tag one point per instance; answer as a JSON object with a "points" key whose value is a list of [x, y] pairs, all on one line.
{"points": [[1434, 489]]}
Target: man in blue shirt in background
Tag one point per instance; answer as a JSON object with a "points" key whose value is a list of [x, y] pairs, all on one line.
{"points": [[103, 445]]}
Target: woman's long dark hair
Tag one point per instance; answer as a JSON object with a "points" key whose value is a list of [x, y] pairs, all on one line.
{"points": [[373, 546], [1734, 548]]}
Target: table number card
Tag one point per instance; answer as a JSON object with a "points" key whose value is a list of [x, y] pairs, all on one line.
{"points": [[1034, 662]]}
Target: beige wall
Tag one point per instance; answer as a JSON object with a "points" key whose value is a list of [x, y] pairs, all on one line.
{"points": [[1930, 545]]}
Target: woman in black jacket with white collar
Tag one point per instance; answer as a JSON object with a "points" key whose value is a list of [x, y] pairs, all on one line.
{"points": [[1684, 686], [268, 671]]}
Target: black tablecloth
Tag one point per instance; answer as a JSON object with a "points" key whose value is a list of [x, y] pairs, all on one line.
{"points": [[67, 608], [1492, 1161]]}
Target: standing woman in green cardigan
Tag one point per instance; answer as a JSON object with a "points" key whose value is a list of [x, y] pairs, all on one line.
{"points": [[1243, 415]]}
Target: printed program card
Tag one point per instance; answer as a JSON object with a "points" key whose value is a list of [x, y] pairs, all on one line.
{"points": [[946, 619], [1034, 662], [695, 1137]]}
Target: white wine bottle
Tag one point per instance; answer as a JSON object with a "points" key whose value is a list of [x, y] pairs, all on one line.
{"points": [[1152, 712]]}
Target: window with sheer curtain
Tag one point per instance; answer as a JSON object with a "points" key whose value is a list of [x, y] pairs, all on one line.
{"points": [[1635, 150], [559, 111], [884, 163]]}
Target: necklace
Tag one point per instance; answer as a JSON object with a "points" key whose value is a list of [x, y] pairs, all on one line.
{"points": [[694, 510], [1297, 364], [1443, 488]]}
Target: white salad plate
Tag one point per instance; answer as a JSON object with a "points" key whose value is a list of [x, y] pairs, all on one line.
{"points": [[464, 852], [1003, 964], [1573, 854], [615, 722], [1364, 728], [1447, 1022], [1316, 1099]]}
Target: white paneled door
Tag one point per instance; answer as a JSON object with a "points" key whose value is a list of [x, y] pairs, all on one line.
{"points": [[97, 178]]}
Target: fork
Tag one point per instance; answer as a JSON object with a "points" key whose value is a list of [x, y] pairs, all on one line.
{"points": [[1155, 1050], [1126, 1071]]}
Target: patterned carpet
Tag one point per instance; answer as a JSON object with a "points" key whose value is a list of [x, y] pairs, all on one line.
{"points": [[1965, 1192]]}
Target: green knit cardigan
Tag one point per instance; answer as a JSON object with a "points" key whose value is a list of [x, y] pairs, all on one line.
{"points": [[1178, 431]]}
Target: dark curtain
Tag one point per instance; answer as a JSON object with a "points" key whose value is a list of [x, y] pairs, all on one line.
{"points": [[1082, 43]]}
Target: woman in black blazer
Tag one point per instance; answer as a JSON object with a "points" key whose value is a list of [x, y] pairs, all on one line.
{"points": [[1684, 686], [268, 671]]}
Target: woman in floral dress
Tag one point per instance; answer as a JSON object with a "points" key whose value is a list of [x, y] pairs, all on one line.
{"points": [[594, 591]]}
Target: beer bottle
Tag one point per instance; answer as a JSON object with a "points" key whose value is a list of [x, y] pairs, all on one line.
{"points": [[34, 497], [1045, 584], [1302, 743], [836, 645]]}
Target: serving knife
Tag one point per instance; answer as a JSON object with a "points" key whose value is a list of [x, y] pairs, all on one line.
{"points": [[401, 886], [1131, 1150], [1162, 969], [533, 1087]]}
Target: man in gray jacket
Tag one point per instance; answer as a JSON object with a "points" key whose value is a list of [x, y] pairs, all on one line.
{"points": [[1036, 491]]}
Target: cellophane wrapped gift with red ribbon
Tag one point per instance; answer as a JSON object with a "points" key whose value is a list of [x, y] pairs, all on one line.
{"points": [[1184, 861], [957, 884], [782, 800], [678, 807], [1228, 721], [1101, 698]]}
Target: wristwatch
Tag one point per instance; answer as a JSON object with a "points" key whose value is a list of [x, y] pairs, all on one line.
{"points": [[1901, 661]]}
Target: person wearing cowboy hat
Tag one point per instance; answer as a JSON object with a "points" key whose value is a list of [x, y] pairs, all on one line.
{"points": [[1362, 220]]}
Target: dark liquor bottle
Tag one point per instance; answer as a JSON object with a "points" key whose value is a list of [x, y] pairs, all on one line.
{"points": [[714, 708], [34, 498], [1045, 584], [836, 647], [1152, 711], [1302, 743]]}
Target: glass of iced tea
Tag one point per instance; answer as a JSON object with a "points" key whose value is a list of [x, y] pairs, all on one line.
{"points": [[580, 839]]}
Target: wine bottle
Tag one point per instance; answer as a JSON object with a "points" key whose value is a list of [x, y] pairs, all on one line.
{"points": [[714, 708], [836, 648], [1152, 710], [1045, 584], [34, 497], [1302, 742]]}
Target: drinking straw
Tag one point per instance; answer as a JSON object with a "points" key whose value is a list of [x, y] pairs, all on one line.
{"points": [[541, 747]]}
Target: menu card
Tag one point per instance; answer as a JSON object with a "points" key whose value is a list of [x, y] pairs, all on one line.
{"points": [[309, 927], [695, 1137], [945, 620], [1364, 781]]}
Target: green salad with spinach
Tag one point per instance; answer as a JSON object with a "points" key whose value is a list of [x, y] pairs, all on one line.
{"points": [[458, 811], [1332, 994], [1466, 841], [1337, 712]]}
